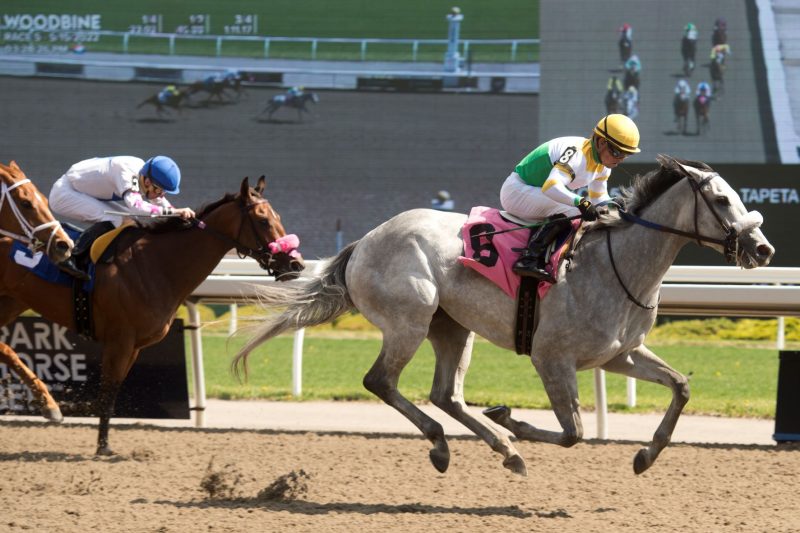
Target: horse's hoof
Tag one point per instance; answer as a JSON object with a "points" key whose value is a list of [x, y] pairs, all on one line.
{"points": [[499, 414], [516, 464], [642, 461], [440, 459], [104, 451], [53, 414]]}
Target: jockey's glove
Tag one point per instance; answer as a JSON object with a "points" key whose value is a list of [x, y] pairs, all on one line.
{"points": [[588, 211]]}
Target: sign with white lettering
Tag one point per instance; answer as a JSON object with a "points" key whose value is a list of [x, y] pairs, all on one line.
{"points": [[69, 365], [772, 190]]}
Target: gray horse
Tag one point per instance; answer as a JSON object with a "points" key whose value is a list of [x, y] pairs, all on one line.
{"points": [[404, 277]]}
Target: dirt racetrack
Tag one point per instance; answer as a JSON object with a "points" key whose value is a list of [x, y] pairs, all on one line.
{"points": [[163, 481]]}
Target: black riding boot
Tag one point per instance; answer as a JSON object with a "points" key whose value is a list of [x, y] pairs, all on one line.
{"points": [[82, 246], [70, 267], [532, 260]]}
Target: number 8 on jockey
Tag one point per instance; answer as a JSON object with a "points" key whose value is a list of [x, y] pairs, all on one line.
{"points": [[542, 184]]}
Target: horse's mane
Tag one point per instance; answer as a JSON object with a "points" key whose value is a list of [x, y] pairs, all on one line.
{"points": [[173, 224], [644, 190]]}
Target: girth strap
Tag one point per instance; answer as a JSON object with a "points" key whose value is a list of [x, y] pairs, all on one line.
{"points": [[526, 315]]}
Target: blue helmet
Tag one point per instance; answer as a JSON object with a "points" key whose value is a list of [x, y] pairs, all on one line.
{"points": [[164, 172]]}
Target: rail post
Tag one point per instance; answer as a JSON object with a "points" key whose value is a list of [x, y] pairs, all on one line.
{"points": [[197, 364], [297, 363], [601, 403]]}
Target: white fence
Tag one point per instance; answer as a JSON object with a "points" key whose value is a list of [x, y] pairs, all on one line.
{"points": [[687, 290]]}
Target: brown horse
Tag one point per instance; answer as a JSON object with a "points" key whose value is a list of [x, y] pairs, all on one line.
{"points": [[154, 270], [25, 216]]}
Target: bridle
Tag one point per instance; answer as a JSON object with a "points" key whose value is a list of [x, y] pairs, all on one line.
{"points": [[29, 230], [262, 254], [730, 243]]}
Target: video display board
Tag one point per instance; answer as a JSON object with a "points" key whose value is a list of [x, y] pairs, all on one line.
{"points": [[586, 51]]}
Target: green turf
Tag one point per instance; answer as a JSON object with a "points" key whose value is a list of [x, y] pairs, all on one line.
{"points": [[411, 19], [728, 381]]}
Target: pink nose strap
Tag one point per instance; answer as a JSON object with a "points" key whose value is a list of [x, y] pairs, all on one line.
{"points": [[287, 243]]}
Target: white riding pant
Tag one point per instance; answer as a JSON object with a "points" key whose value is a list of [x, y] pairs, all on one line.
{"points": [[66, 202], [529, 202]]}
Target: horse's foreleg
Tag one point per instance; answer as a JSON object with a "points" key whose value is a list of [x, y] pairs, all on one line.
{"points": [[641, 363], [561, 384], [452, 344], [115, 368], [49, 407], [105, 409]]}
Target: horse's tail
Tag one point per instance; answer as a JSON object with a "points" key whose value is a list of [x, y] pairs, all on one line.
{"points": [[306, 303]]}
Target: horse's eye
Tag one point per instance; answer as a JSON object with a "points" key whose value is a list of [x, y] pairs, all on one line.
{"points": [[26, 204], [723, 201]]}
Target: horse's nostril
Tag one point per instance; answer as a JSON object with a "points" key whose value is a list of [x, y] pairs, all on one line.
{"points": [[764, 250], [62, 246]]}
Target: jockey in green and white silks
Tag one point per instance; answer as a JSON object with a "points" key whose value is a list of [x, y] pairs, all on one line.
{"points": [[542, 184]]}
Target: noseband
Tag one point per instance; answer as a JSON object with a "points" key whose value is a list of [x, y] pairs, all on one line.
{"points": [[28, 229]]}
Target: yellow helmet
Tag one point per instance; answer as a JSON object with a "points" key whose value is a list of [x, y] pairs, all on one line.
{"points": [[620, 131]]}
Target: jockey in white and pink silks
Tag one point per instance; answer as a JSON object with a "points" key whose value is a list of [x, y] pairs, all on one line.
{"points": [[99, 189], [92, 188]]}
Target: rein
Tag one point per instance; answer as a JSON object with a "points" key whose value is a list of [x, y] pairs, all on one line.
{"points": [[527, 226], [631, 297], [28, 229]]}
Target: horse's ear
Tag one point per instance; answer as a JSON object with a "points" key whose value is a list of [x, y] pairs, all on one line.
{"points": [[13, 165], [666, 161], [261, 185], [244, 192]]}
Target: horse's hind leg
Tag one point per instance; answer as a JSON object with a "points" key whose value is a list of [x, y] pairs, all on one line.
{"points": [[452, 344], [641, 363], [560, 382], [49, 407], [399, 346], [405, 325]]}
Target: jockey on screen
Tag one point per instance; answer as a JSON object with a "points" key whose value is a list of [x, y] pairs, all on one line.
{"points": [[720, 52], [232, 75], [689, 44], [294, 92], [167, 93], [542, 184], [720, 33], [703, 89], [121, 183], [683, 90], [633, 64]]}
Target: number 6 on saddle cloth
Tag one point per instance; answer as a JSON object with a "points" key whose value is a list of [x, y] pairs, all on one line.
{"points": [[490, 239]]}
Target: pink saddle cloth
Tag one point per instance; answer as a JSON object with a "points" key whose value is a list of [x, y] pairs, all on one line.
{"points": [[493, 255]]}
